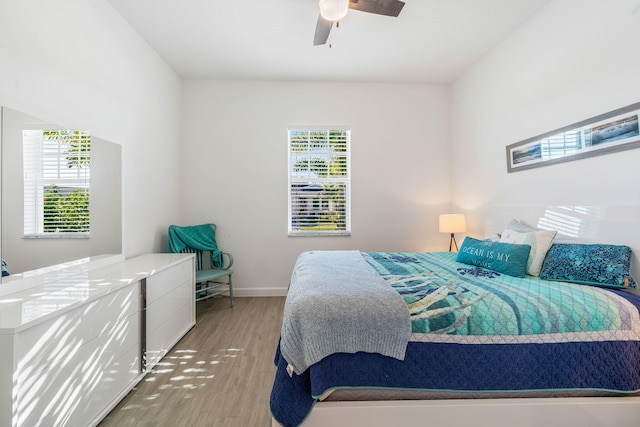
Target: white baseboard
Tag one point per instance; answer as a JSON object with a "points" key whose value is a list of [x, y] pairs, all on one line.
{"points": [[259, 292]]}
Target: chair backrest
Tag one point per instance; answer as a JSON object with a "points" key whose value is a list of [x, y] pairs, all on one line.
{"points": [[200, 258], [198, 253]]}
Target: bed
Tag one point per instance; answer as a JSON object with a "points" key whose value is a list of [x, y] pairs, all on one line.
{"points": [[477, 337]]}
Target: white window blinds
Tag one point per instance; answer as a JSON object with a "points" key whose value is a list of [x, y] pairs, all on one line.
{"points": [[56, 183], [319, 182]]}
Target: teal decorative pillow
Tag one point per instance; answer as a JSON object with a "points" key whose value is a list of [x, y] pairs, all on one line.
{"points": [[595, 265], [504, 258]]}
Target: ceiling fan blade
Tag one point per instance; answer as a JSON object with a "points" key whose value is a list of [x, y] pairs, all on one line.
{"points": [[379, 7], [323, 28]]}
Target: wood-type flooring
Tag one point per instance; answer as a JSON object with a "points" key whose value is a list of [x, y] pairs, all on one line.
{"points": [[219, 374]]}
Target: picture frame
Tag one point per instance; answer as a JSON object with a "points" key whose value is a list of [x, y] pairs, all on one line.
{"points": [[606, 133]]}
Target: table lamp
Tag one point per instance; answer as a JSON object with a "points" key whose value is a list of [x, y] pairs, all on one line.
{"points": [[452, 223]]}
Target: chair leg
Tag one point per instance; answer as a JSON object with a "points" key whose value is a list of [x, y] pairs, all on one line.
{"points": [[231, 291]]}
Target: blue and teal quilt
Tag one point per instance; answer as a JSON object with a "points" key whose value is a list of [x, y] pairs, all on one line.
{"points": [[475, 330]]}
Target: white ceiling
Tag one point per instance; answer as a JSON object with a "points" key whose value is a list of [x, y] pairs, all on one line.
{"points": [[432, 41]]}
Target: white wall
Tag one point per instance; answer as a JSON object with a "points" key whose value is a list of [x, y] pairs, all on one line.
{"points": [[574, 60], [78, 63], [235, 168]]}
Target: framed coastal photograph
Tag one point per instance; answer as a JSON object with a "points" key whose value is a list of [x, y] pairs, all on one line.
{"points": [[607, 133]]}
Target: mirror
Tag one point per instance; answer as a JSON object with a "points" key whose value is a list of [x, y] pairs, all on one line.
{"points": [[24, 251]]}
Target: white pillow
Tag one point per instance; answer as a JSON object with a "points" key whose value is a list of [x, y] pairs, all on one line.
{"points": [[492, 238], [516, 225], [540, 242]]}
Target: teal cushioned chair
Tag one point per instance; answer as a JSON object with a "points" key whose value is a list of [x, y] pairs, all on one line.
{"points": [[213, 266]]}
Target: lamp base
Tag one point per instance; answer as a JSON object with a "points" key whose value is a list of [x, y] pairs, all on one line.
{"points": [[453, 242]]}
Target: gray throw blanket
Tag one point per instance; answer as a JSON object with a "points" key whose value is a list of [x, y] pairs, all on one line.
{"points": [[337, 303]]}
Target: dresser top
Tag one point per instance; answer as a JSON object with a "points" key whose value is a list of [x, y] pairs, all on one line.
{"points": [[74, 286]]}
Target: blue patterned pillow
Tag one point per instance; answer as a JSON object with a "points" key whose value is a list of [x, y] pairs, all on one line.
{"points": [[504, 258], [595, 265]]}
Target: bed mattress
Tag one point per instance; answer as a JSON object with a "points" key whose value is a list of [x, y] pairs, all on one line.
{"points": [[383, 394]]}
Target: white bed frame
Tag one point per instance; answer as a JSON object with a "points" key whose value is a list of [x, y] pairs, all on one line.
{"points": [[525, 412], [615, 225]]}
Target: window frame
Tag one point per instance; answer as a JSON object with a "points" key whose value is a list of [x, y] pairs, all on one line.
{"points": [[345, 181]]}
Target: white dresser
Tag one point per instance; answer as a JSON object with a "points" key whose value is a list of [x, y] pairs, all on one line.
{"points": [[73, 345]]}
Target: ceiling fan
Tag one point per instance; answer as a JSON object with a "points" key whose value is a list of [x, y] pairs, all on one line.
{"points": [[333, 10]]}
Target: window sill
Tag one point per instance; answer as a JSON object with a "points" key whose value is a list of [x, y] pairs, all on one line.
{"points": [[318, 233], [57, 236]]}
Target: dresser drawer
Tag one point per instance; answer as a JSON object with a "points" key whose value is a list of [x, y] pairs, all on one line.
{"points": [[163, 282], [56, 340], [90, 372]]}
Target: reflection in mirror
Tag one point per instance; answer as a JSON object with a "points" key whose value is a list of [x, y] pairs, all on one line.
{"points": [[61, 194]]}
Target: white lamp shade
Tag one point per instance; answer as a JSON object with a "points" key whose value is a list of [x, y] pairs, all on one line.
{"points": [[452, 223], [333, 10]]}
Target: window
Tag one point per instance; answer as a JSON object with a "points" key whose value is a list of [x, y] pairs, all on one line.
{"points": [[56, 183], [319, 182]]}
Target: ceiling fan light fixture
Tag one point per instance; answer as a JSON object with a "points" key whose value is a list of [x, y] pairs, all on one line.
{"points": [[333, 10]]}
